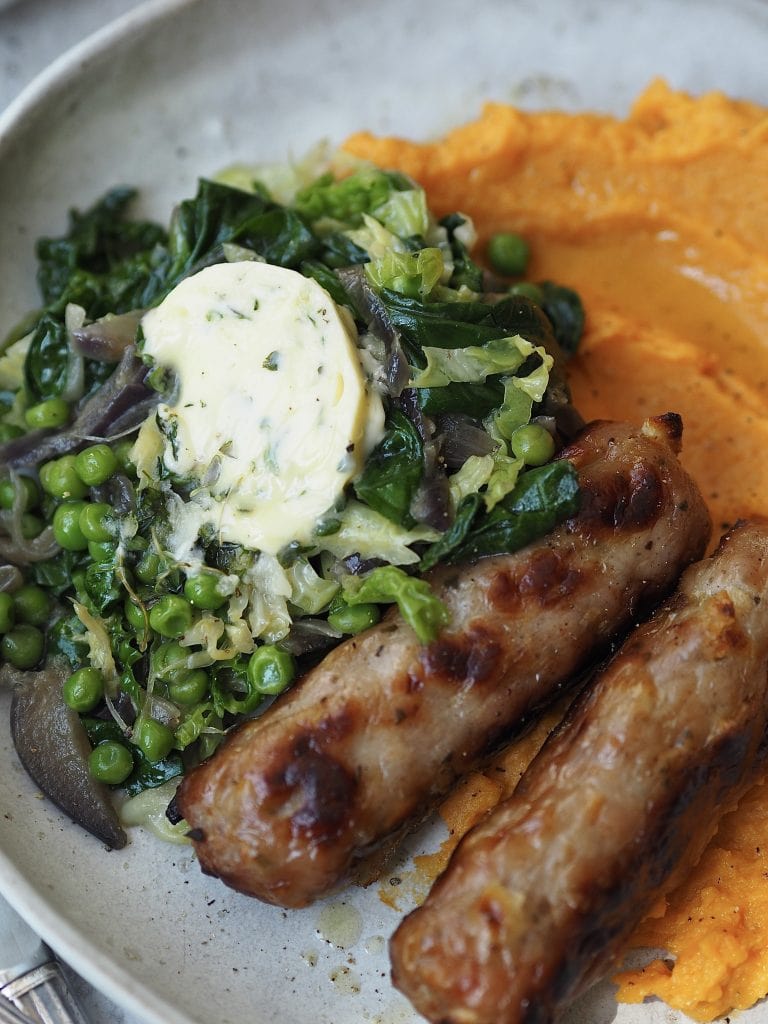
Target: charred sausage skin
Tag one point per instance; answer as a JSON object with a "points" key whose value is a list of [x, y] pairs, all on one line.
{"points": [[542, 895], [384, 726]]}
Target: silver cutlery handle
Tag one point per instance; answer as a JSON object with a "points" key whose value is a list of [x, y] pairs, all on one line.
{"points": [[9, 1014], [44, 996]]}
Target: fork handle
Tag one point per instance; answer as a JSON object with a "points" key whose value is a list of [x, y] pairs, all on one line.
{"points": [[44, 996]]}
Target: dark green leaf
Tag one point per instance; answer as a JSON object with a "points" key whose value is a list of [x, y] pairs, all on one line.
{"points": [[459, 324], [96, 242], [455, 535], [476, 400], [55, 574], [542, 498], [339, 251], [465, 271], [566, 312], [102, 585], [326, 278], [219, 214], [47, 361], [67, 636], [147, 775], [393, 471]]}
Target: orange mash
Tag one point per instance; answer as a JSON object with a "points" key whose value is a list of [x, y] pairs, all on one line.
{"points": [[660, 222]]}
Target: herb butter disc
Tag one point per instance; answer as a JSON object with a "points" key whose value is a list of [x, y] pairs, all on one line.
{"points": [[271, 416]]}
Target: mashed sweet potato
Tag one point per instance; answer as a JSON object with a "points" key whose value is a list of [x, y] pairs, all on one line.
{"points": [[660, 221]]}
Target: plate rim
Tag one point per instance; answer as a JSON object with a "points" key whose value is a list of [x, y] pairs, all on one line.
{"points": [[79, 57]]}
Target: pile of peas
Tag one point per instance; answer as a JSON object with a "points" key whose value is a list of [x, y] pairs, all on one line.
{"points": [[81, 525]]}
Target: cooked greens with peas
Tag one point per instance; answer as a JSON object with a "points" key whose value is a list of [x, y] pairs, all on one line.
{"points": [[229, 445]]}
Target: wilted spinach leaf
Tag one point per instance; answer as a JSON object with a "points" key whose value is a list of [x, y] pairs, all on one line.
{"points": [[476, 400], [459, 324], [96, 242], [47, 362], [393, 471], [542, 498], [566, 313], [456, 533], [219, 214]]}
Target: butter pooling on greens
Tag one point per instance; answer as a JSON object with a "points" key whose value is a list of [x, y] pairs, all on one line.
{"points": [[187, 638]]}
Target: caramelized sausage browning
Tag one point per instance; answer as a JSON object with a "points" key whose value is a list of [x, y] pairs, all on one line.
{"points": [[368, 741], [539, 899]]}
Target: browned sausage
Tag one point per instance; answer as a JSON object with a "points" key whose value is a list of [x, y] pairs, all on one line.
{"points": [[542, 895], [384, 726]]}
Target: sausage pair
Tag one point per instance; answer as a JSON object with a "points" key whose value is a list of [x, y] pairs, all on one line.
{"points": [[540, 897], [383, 727]]}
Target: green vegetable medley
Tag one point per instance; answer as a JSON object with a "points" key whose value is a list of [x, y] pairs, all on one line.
{"points": [[166, 655]]}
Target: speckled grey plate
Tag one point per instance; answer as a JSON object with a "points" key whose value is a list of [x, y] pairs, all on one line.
{"points": [[178, 89]]}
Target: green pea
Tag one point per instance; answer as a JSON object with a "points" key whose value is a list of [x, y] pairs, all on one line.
{"points": [[122, 451], [202, 591], [22, 646], [528, 290], [354, 618], [171, 616], [135, 614], [97, 522], [508, 253], [66, 526], [31, 525], [271, 670], [30, 495], [169, 660], [102, 552], [110, 762], [59, 479], [189, 687], [7, 612], [54, 412], [153, 739], [148, 567], [96, 464], [533, 444], [84, 689], [33, 604], [9, 432]]}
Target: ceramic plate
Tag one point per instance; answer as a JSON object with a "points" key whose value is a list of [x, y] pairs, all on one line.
{"points": [[178, 89]]}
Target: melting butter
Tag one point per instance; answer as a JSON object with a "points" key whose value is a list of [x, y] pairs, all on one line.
{"points": [[272, 416]]}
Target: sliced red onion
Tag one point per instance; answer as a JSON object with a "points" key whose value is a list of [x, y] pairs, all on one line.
{"points": [[310, 635], [118, 407], [19, 551], [396, 370], [117, 492], [432, 502], [461, 437], [10, 579], [53, 747], [106, 340], [74, 384]]}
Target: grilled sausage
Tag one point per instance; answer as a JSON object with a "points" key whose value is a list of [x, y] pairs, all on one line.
{"points": [[541, 896], [384, 726]]}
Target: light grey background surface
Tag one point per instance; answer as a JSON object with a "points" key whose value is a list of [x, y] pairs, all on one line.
{"points": [[32, 34]]}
